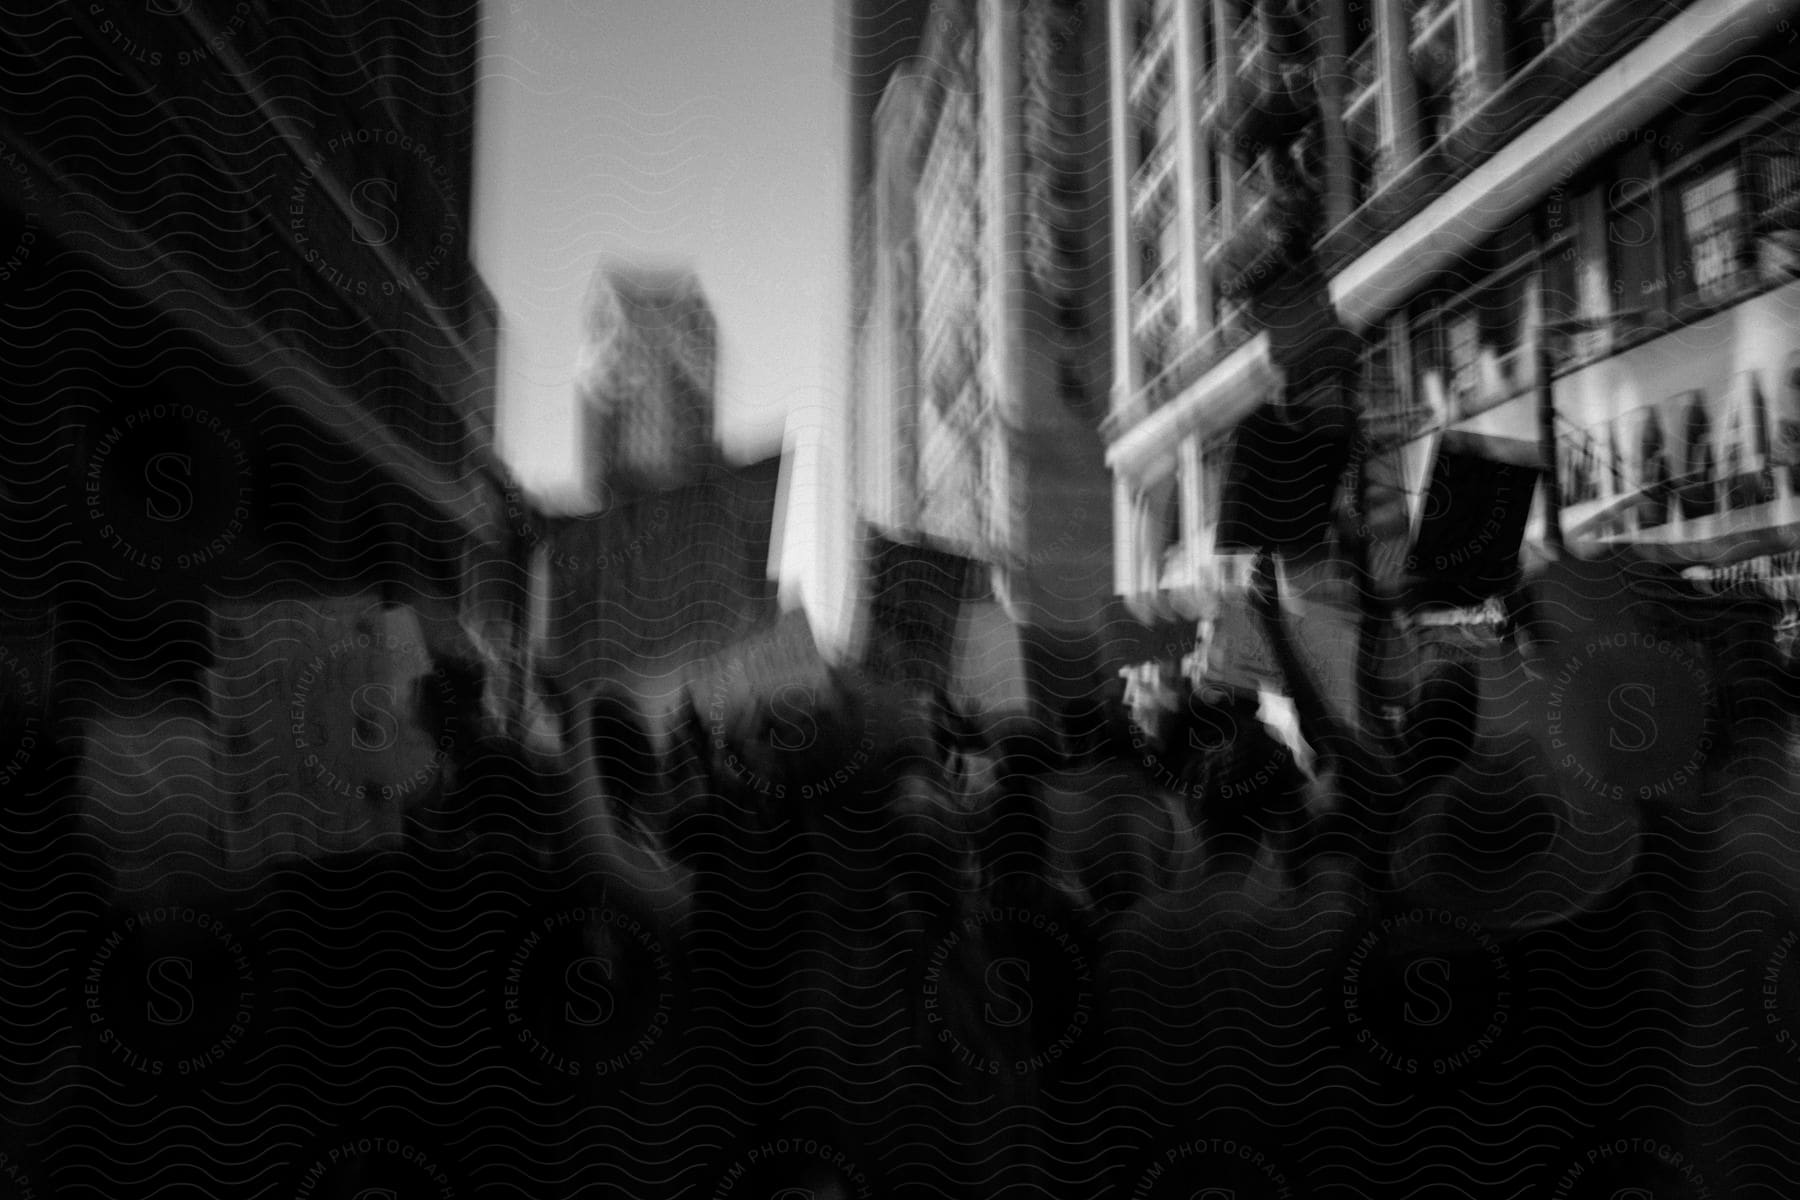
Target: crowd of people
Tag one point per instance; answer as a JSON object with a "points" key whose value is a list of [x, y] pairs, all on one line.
{"points": [[854, 941]]}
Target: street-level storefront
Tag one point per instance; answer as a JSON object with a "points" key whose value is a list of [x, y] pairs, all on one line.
{"points": [[1686, 447]]}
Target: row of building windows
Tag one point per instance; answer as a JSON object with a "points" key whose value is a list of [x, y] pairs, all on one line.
{"points": [[1457, 54], [1660, 234], [1649, 239], [1639, 249]]}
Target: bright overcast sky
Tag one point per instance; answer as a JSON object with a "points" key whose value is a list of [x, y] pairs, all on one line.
{"points": [[709, 132]]}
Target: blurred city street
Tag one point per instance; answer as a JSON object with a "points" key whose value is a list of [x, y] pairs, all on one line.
{"points": [[1255, 657]]}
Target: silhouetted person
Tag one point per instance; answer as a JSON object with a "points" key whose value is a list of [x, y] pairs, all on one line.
{"points": [[624, 754]]}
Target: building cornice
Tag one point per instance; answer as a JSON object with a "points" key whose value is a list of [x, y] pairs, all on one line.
{"points": [[1225, 395], [1695, 45]]}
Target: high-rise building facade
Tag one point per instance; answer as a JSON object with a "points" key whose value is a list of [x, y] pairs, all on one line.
{"points": [[1543, 253], [645, 381], [980, 361], [247, 439], [337, 290]]}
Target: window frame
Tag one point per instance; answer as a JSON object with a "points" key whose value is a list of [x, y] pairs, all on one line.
{"points": [[1686, 292]]}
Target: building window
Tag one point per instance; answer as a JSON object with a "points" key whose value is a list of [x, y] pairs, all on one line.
{"points": [[1575, 299], [1251, 187], [1425, 341], [1362, 171], [1463, 340], [1158, 517], [1438, 74], [1530, 30], [1479, 346], [1146, 140], [1143, 24], [1777, 169], [1173, 540], [1169, 241], [1386, 386], [1156, 344], [1712, 226], [1584, 466], [1149, 258]]}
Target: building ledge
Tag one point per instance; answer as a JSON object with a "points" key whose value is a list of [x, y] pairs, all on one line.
{"points": [[1695, 45], [1771, 528], [1216, 401]]}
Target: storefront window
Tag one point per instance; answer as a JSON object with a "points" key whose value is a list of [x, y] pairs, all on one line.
{"points": [[1642, 449], [1584, 465], [1744, 481], [1696, 490]]}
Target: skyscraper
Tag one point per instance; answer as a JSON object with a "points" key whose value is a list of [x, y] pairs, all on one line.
{"points": [[645, 380], [304, 401], [980, 360]]}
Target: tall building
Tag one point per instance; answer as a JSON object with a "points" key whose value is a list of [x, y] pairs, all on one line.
{"points": [[634, 596], [249, 408], [645, 380], [1487, 276], [980, 361]]}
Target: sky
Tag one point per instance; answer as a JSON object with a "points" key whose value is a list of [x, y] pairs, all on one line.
{"points": [[704, 132]]}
